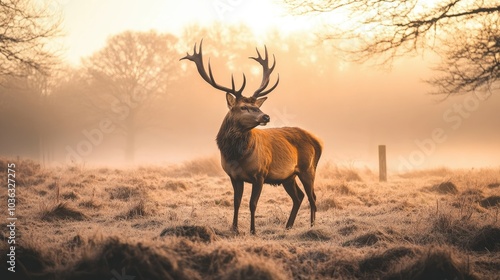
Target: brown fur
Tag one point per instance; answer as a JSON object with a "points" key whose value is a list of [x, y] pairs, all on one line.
{"points": [[274, 156]]}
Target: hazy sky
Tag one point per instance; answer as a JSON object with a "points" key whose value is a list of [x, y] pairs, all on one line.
{"points": [[87, 24], [458, 132]]}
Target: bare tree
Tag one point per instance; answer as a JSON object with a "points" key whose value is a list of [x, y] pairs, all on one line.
{"points": [[226, 41], [466, 33], [26, 27], [132, 71]]}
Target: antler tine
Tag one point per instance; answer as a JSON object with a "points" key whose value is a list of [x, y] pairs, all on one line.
{"points": [[266, 73], [240, 91], [271, 89], [193, 56], [197, 58], [232, 81]]}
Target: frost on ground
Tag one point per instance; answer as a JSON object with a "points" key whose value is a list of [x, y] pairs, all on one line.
{"points": [[173, 222]]}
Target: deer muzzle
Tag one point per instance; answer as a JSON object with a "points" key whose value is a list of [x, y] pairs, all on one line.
{"points": [[264, 119]]}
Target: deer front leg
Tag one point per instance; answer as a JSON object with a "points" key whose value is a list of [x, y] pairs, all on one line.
{"points": [[256, 190], [238, 194]]}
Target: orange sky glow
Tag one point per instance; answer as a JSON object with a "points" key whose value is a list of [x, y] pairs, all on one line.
{"points": [[87, 24], [398, 93]]}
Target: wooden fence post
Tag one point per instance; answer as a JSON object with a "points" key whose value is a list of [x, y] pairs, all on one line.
{"points": [[382, 164]]}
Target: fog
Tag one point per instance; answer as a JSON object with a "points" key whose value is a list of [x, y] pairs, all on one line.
{"points": [[77, 116]]}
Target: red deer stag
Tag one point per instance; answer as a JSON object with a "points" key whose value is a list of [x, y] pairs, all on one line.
{"points": [[273, 156]]}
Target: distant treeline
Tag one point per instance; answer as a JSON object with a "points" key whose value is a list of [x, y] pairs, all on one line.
{"points": [[135, 95]]}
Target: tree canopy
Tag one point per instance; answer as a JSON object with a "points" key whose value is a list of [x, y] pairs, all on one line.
{"points": [[26, 27], [129, 74], [465, 33]]}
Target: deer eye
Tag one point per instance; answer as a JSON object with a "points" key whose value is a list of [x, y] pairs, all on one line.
{"points": [[244, 108]]}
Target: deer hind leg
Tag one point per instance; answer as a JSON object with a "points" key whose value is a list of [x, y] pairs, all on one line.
{"points": [[238, 194], [307, 179], [297, 196]]}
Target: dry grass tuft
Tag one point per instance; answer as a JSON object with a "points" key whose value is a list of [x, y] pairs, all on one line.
{"points": [[364, 230], [62, 211], [255, 269], [490, 201], [345, 190], [319, 263], [193, 233], [32, 257], [444, 188], [453, 229], [436, 264], [315, 235], [3, 165], [115, 258], [350, 175], [368, 239], [493, 185], [175, 185], [139, 209], [486, 239], [472, 192], [326, 204], [90, 203], [331, 171], [383, 262], [340, 189], [215, 262], [75, 242], [28, 166], [70, 195], [347, 230], [207, 166], [274, 251], [122, 192]]}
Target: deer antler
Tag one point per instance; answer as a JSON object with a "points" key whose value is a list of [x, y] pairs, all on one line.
{"points": [[197, 58], [266, 73]]}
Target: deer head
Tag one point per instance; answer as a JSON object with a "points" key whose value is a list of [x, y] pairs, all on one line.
{"points": [[244, 110]]}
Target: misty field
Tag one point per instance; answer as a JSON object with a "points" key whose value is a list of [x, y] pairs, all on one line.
{"points": [[173, 222]]}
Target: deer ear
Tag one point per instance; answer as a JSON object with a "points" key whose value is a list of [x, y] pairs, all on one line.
{"points": [[231, 100], [260, 101]]}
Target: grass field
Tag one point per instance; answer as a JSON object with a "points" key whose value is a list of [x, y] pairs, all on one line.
{"points": [[173, 222]]}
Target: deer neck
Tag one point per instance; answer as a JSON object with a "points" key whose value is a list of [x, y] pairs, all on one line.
{"points": [[234, 142]]}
